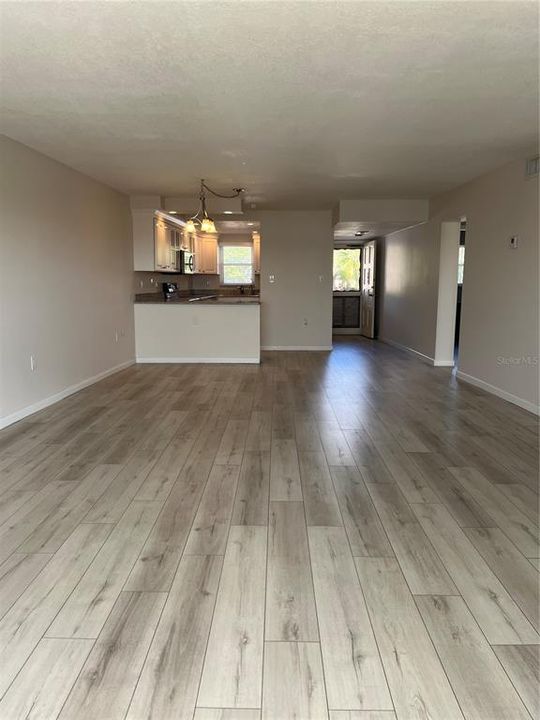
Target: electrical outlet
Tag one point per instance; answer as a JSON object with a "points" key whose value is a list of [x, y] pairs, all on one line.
{"points": [[32, 363], [305, 322], [514, 241], [271, 278]]}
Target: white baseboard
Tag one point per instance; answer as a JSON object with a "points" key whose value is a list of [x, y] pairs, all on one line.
{"points": [[399, 346], [198, 360], [443, 363], [494, 390], [296, 347], [41, 404]]}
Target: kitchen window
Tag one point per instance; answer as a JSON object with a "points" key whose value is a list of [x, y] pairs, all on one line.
{"points": [[236, 264]]}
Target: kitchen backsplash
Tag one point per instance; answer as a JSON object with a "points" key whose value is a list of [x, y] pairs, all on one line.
{"points": [[147, 282]]}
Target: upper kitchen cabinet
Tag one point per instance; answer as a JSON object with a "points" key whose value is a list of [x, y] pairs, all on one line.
{"points": [[156, 241], [206, 254], [168, 241]]}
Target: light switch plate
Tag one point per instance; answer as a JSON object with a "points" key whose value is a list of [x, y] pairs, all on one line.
{"points": [[514, 241]]}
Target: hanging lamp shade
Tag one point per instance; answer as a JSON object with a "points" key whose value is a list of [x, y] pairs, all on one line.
{"points": [[208, 225], [201, 220]]}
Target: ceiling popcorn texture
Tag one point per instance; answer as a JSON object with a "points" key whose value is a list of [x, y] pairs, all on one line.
{"points": [[302, 103]]}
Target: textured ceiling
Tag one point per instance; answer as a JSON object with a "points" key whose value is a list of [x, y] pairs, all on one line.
{"points": [[302, 103], [344, 232]]}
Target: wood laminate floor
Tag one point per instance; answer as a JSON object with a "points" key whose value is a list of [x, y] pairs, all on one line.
{"points": [[341, 536]]}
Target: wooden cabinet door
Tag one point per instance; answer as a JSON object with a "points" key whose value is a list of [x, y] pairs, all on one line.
{"points": [[162, 245], [257, 253], [210, 252]]}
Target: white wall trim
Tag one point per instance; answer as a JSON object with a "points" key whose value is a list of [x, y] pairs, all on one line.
{"points": [[399, 346], [296, 347], [41, 404], [494, 390], [184, 360], [443, 363]]}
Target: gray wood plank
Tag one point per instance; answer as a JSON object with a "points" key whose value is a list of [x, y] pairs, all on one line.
{"points": [[16, 573], [320, 499], [523, 498], [513, 570], [362, 715], [522, 664], [232, 672], [482, 688], [362, 523], [290, 602], [293, 682], [521, 531], [110, 673], [416, 678], [58, 525], [231, 449], [87, 609], [494, 610], [167, 688], [252, 494], [405, 473], [334, 444], [226, 714], [353, 671], [208, 535], [284, 471], [462, 505], [419, 562], [23, 626], [40, 689]]}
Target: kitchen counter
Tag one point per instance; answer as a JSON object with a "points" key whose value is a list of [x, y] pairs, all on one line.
{"points": [[159, 299]]}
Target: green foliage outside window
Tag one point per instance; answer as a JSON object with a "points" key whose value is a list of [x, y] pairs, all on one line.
{"points": [[347, 269]]}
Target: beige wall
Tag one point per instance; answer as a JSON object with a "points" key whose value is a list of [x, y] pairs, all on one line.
{"points": [[296, 310], [409, 281], [65, 279], [499, 325]]}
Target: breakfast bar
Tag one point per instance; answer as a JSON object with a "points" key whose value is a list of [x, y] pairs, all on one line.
{"points": [[214, 329]]}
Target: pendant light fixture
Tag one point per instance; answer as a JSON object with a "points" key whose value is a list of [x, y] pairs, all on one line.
{"points": [[201, 220]]}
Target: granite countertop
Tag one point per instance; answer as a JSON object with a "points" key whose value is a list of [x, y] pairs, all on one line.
{"points": [[208, 299]]}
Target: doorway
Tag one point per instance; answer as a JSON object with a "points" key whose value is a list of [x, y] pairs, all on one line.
{"points": [[346, 290], [461, 269], [446, 330]]}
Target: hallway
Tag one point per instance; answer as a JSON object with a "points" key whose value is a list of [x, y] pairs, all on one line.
{"points": [[325, 532]]}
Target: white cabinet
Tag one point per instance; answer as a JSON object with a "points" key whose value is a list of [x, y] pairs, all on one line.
{"points": [[256, 253], [206, 255], [168, 240], [156, 242]]}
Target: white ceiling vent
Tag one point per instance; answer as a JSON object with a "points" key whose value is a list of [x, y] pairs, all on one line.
{"points": [[532, 166]]}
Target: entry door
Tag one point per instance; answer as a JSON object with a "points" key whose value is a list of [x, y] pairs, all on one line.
{"points": [[367, 309]]}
